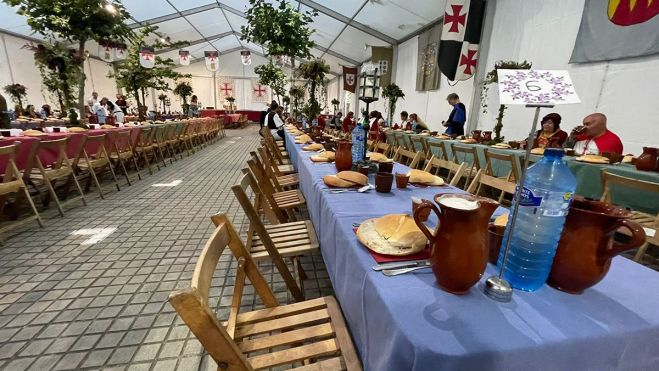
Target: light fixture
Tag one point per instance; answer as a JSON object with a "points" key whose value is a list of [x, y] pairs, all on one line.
{"points": [[369, 84]]}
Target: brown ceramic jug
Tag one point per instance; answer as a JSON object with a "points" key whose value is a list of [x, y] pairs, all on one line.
{"points": [[343, 156], [459, 243], [586, 246], [648, 160], [476, 135]]}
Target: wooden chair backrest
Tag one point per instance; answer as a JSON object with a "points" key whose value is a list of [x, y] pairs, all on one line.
{"points": [[509, 158], [403, 141], [12, 175], [482, 178], [440, 147], [466, 154], [121, 142], [609, 180], [267, 159], [407, 157], [256, 226], [60, 146], [192, 304], [267, 190], [144, 138], [455, 171], [96, 140], [383, 148], [417, 144], [274, 151], [266, 171]]}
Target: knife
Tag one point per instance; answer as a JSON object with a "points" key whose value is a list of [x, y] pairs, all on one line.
{"points": [[405, 264]]}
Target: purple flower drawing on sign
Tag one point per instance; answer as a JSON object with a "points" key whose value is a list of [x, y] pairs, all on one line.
{"points": [[536, 91]]}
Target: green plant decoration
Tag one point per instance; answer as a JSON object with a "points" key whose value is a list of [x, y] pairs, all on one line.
{"points": [[297, 94], [313, 72], [136, 79], [492, 78], [17, 93], [76, 21], [279, 28], [4, 114], [391, 93], [230, 99], [272, 76], [183, 89], [335, 104]]}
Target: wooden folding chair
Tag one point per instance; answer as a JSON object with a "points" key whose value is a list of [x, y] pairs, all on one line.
{"points": [[407, 158], [481, 179], [453, 171], [648, 221], [277, 153], [12, 182], [493, 158], [382, 147], [121, 152], [290, 239], [186, 137], [95, 162], [468, 155], [437, 149], [417, 143], [278, 169], [48, 175], [160, 142], [311, 334], [281, 183], [144, 149], [287, 201]]}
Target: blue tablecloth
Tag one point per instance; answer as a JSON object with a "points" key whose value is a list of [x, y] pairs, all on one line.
{"points": [[407, 323]]}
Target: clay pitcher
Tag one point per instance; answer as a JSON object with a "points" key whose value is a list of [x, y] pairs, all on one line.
{"points": [[648, 160], [476, 135], [343, 156], [459, 243], [586, 246]]}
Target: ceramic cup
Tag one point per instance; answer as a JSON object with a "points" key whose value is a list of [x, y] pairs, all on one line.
{"points": [[402, 180], [364, 170], [383, 182], [386, 167], [495, 238], [424, 214]]}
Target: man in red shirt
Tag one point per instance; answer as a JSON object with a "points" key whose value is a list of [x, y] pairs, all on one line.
{"points": [[348, 123], [593, 137]]}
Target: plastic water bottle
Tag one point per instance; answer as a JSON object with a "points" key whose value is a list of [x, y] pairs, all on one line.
{"points": [[358, 144], [314, 123], [546, 196]]}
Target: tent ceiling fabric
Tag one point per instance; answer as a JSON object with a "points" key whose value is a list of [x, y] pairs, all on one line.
{"points": [[343, 28]]}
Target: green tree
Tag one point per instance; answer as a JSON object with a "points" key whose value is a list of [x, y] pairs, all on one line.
{"points": [[391, 93], [280, 28], [272, 76], [313, 72], [76, 21], [4, 114], [17, 92], [136, 79], [183, 89]]}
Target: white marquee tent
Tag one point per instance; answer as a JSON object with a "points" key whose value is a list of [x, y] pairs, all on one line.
{"points": [[542, 32]]}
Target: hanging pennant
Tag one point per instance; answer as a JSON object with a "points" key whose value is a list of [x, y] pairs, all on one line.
{"points": [[212, 62], [105, 52], [184, 57], [225, 85], [120, 51], [246, 57], [147, 58]]}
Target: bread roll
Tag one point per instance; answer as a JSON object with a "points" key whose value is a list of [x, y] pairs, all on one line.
{"points": [[33, 133], [313, 147], [378, 157], [76, 129], [538, 151], [304, 138], [469, 141], [327, 156], [395, 234], [423, 177], [353, 177], [334, 181]]}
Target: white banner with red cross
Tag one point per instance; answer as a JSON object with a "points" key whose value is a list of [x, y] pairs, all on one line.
{"points": [[260, 93], [226, 87]]}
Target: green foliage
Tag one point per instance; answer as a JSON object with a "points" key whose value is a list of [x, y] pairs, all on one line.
{"points": [[335, 102], [76, 21], [297, 94], [492, 78], [60, 67], [136, 79], [230, 99], [313, 72], [391, 93], [272, 76], [17, 93], [279, 27], [4, 115], [184, 90]]}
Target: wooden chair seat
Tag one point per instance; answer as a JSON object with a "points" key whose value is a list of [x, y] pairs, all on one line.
{"points": [[288, 181], [286, 169], [288, 199], [290, 239], [12, 182]]}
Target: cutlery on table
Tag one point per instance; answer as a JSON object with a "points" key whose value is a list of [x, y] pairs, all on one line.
{"points": [[403, 264], [396, 272]]}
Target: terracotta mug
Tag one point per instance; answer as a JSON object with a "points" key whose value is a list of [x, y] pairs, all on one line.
{"points": [[424, 213], [648, 160], [476, 135], [586, 246], [402, 180], [494, 241], [364, 170], [385, 167], [383, 182]]}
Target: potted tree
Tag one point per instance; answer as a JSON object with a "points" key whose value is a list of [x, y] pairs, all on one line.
{"points": [[335, 104], [297, 94], [17, 93], [272, 76], [313, 72], [391, 93], [183, 89], [492, 78], [230, 106]]}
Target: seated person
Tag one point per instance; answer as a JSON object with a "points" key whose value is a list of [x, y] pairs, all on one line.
{"points": [[335, 123], [274, 121], [458, 116], [376, 124], [30, 112], [321, 122], [348, 123], [403, 121], [45, 111], [593, 137], [416, 124], [551, 135]]}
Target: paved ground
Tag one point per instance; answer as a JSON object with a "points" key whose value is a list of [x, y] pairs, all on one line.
{"points": [[66, 304]]}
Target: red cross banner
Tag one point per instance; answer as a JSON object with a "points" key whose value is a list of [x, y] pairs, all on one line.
{"points": [[259, 92], [212, 61], [350, 79], [461, 33], [226, 88], [246, 57], [120, 51], [147, 58], [184, 57], [105, 52]]}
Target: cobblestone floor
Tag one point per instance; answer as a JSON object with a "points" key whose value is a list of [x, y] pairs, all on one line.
{"points": [[69, 304]]}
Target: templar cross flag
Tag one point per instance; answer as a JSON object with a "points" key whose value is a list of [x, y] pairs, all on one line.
{"points": [[184, 57], [212, 61], [226, 88], [259, 92], [147, 58], [246, 57], [120, 51], [105, 52], [461, 33], [350, 79]]}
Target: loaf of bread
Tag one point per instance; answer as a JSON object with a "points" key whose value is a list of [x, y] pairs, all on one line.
{"points": [[327, 156], [313, 147], [304, 138], [76, 129], [33, 133], [538, 151], [335, 181], [469, 141], [346, 179], [424, 177], [108, 126], [378, 157], [394, 234], [593, 158]]}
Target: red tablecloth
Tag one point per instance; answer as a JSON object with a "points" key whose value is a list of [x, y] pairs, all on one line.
{"points": [[253, 116]]}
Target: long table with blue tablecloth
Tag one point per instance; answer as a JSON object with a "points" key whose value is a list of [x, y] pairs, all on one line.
{"points": [[589, 183], [407, 323]]}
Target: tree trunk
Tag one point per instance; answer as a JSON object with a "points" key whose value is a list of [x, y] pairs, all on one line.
{"points": [[81, 84], [140, 115], [499, 125]]}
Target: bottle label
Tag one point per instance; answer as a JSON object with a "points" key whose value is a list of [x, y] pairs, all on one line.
{"points": [[529, 199], [551, 204]]}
